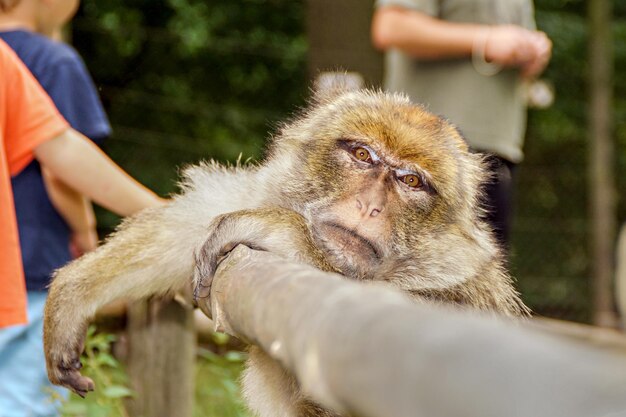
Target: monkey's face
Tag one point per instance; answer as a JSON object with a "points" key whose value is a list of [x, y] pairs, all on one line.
{"points": [[377, 175], [372, 197]]}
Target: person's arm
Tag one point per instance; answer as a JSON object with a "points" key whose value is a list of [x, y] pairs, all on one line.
{"points": [[429, 38], [76, 210], [421, 35], [80, 164]]}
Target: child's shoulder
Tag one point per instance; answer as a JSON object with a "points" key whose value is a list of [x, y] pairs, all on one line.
{"points": [[39, 52]]}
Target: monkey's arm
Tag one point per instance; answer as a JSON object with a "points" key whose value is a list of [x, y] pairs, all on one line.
{"points": [[151, 253], [267, 387], [273, 229]]}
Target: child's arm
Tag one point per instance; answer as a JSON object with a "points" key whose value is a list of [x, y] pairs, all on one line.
{"points": [[77, 212], [80, 164]]}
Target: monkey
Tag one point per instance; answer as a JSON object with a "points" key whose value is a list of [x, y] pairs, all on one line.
{"points": [[363, 183]]}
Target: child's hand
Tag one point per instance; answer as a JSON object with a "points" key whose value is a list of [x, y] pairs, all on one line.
{"points": [[83, 242]]}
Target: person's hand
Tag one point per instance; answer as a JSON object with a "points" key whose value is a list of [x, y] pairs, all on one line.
{"points": [[543, 51], [510, 46], [83, 242], [517, 47]]}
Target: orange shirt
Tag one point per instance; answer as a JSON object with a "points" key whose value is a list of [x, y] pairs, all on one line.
{"points": [[27, 118]]}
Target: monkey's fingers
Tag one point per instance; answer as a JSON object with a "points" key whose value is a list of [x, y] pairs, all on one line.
{"points": [[203, 277], [207, 261], [69, 376], [201, 297]]}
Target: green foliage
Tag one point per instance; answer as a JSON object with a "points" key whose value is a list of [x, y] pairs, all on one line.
{"points": [[217, 381], [108, 375], [217, 385], [185, 80]]}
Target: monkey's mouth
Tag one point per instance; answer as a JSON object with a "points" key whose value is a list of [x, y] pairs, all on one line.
{"points": [[340, 238]]}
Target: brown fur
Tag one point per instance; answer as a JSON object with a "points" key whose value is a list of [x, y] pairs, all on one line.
{"points": [[313, 201]]}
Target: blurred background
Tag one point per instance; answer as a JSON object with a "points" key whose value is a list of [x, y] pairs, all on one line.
{"points": [[187, 80]]}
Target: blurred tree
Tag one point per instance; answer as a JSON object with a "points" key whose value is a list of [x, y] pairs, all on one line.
{"points": [[601, 162]]}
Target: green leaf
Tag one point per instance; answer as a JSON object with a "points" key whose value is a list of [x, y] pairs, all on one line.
{"points": [[100, 410], [91, 330], [234, 356], [208, 355], [221, 338], [107, 359], [117, 391], [231, 387], [74, 408]]}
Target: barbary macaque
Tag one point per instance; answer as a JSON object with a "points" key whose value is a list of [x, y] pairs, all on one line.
{"points": [[362, 183]]}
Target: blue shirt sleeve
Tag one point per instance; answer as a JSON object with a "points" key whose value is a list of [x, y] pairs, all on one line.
{"points": [[75, 95]]}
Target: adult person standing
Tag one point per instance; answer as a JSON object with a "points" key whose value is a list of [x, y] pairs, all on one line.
{"points": [[468, 60]]}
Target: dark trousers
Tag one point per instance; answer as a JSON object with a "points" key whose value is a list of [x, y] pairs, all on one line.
{"points": [[498, 196]]}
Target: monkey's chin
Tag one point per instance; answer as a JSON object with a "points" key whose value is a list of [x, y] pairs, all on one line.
{"points": [[352, 253]]}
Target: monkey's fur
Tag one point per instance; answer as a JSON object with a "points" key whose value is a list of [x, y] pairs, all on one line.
{"points": [[363, 183]]}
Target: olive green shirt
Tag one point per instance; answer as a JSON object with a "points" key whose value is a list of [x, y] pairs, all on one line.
{"points": [[490, 110]]}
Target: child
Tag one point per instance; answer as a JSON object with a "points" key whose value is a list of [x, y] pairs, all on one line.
{"points": [[44, 233], [31, 127]]}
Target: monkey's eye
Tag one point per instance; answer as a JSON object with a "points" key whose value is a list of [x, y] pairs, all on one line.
{"points": [[411, 180], [362, 154]]}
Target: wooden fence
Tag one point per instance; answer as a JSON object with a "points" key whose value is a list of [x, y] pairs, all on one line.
{"points": [[368, 351]]}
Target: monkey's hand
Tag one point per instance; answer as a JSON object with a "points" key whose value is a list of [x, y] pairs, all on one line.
{"points": [[274, 229], [64, 369], [63, 348]]}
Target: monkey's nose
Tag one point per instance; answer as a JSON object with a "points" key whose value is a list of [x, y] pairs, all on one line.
{"points": [[368, 208]]}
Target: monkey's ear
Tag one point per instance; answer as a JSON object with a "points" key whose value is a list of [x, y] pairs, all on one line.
{"points": [[329, 85]]}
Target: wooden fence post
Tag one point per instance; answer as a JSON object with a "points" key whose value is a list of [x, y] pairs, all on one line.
{"points": [[161, 357], [620, 276]]}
